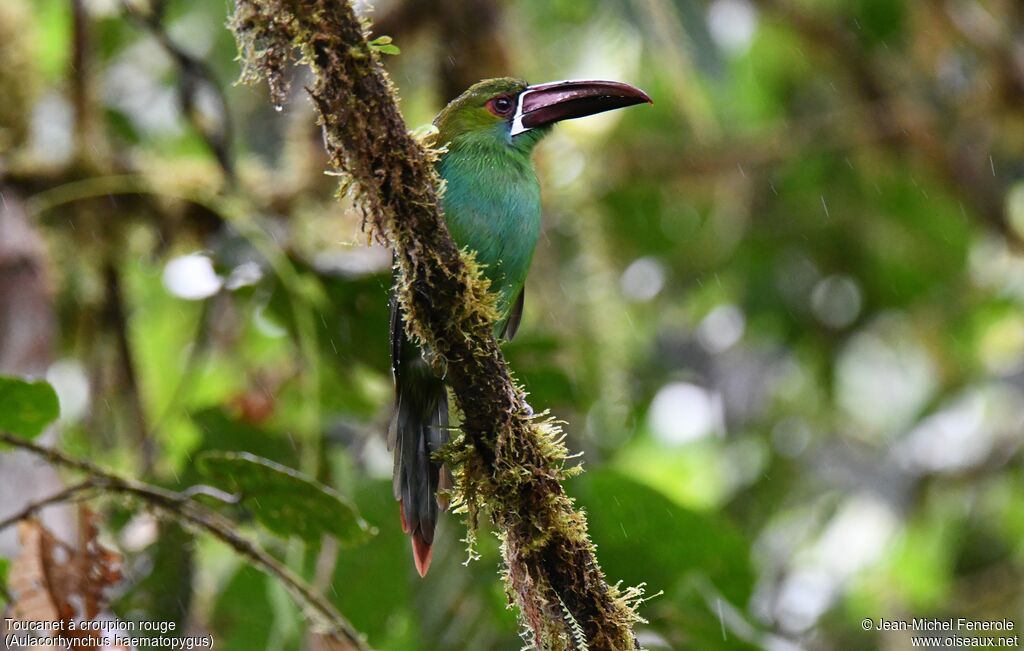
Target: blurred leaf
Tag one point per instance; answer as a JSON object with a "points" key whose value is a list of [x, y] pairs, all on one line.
{"points": [[243, 616], [5, 566], [382, 614], [122, 127], [697, 559], [645, 537], [352, 337], [880, 22], [533, 357], [547, 384], [692, 475], [383, 45], [165, 592], [285, 501], [161, 330], [918, 570], [52, 26], [26, 408], [222, 432]]}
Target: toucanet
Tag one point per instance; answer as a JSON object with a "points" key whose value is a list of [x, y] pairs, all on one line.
{"points": [[491, 203]]}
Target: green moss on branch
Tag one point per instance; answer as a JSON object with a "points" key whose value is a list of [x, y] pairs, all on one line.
{"points": [[508, 463]]}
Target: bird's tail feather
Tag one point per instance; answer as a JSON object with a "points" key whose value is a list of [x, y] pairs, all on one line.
{"points": [[419, 428]]}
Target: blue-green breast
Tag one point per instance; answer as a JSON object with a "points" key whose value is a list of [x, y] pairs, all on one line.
{"points": [[492, 206]]}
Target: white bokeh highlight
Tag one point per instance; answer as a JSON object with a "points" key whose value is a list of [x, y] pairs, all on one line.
{"points": [[71, 383], [733, 24], [192, 277], [642, 280], [836, 301], [682, 412], [721, 328]]}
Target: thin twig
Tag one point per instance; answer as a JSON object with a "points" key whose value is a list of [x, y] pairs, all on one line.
{"points": [[210, 491], [79, 75], [60, 497], [117, 318], [193, 72]]}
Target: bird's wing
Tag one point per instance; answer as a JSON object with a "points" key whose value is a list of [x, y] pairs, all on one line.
{"points": [[514, 317]]}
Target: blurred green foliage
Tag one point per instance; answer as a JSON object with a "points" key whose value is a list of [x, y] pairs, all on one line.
{"points": [[779, 311], [283, 500], [28, 407]]}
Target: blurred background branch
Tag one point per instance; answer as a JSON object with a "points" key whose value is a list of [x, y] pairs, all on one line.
{"points": [[183, 508]]}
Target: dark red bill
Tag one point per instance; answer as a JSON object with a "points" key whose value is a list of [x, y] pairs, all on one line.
{"points": [[553, 102]]}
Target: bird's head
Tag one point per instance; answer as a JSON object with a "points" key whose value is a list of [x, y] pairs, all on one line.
{"points": [[510, 111]]}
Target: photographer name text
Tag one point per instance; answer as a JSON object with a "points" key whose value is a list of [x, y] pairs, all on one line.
{"points": [[931, 624]]}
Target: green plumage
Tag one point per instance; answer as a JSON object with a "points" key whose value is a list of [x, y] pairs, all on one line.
{"points": [[492, 198], [491, 203]]}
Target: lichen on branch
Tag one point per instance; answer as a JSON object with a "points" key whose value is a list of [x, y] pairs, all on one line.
{"points": [[508, 463]]}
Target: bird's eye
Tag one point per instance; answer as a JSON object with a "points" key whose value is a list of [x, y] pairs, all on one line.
{"points": [[500, 106]]}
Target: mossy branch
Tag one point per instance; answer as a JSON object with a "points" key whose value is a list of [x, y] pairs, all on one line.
{"points": [[507, 461]]}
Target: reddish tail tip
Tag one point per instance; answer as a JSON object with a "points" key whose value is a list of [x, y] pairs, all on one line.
{"points": [[421, 554], [401, 514]]}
